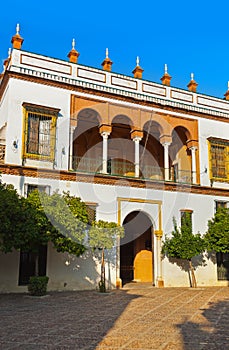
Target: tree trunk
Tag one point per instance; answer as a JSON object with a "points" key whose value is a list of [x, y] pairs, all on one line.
{"points": [[102, 282], [193, 277], [36, 264]]}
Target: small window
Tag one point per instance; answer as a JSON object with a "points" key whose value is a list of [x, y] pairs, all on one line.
{"points": [[222, 266], [219, 159], [220, 204], [40, 132], [27, 265], [186, 218], [31, 187], [91, 211]]}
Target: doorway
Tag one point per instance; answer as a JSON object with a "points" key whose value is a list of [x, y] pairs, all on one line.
{"points": [[136, 249]]}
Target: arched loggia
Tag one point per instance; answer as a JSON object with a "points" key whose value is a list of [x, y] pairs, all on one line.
{"points": [[121, 147], [152, 152], [181, 170], [87, 142]]}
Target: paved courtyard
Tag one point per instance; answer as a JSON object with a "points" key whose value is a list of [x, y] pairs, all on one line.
{"points": [[136, 317]]}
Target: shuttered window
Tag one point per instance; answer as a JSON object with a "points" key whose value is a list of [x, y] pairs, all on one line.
{"points": [[219, 159], [39, 132]]}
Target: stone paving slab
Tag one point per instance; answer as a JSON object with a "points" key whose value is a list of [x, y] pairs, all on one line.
{"points": [[138, 317]]}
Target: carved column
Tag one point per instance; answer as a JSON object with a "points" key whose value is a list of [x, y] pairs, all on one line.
{"points": [[105, 136], [136, 155], [71, 148], [159, 279], [193, 154], [166, 159]]}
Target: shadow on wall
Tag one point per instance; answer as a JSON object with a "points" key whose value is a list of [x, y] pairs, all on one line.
{"points": [[68, 272], [209, 333], [197, 261]]}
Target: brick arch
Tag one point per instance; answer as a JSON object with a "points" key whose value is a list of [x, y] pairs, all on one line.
{"points": [[92, 114], [122, 119]]}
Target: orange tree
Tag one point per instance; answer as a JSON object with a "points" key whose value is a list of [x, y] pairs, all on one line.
{"points": [[185, 245]]}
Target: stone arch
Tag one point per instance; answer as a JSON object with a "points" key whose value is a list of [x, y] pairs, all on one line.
{"points": [[87, 141], [151, 151], [180, 154], [137, 248], [121, 147]]}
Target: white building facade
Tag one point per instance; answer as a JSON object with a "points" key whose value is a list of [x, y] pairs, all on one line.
{"points": [[138, 153]]}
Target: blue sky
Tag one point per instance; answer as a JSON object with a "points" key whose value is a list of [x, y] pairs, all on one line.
{"points": [[188, 36]]}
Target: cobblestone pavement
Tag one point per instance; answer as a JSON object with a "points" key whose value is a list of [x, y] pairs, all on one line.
{"points": [[136, 317]]}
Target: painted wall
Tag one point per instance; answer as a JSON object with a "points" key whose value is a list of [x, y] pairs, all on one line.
{"points": [[67, 272]]}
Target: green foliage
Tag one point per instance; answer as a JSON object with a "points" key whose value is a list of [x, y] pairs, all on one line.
{"points": [[63, 219], [17, 229], [38, 285], [183, 244], [217, 236], [103, 234], [27, 223]]}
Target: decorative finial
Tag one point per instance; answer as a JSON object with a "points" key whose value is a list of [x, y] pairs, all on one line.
{"points": [[107, 52], [17, 29], [166, 69], [9, 52], [73, 44], [137, 61], [192, 76]]}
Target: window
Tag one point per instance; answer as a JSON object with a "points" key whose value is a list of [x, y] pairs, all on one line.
{"points": [[222, 266], [219, 159], [220, 204], [28, 188], [91, 211], [40, 132], [27, 266], [186, 218]]}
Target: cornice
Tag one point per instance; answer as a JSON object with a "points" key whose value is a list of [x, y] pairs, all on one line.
{"points": [[61, 175], [104, 94]]}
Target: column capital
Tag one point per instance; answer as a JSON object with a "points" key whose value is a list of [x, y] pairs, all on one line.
{"points": [[104, 128], [192, 143], [193, 148], [105, 134], [158, 234], [136, 134], [137, 139], [165, 140]]}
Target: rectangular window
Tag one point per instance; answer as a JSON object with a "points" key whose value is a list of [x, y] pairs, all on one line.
{"points": [[40, 132], [27, 265], [220, 204], [222, 266], [91, 211], [186, 218], [219, 159], [28, 188]]}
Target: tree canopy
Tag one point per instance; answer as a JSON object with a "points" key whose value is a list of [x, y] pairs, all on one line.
{"points": [[183, 244], [27, 223], [217, 236]]}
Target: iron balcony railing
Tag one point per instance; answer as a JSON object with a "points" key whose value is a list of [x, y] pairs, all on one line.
{"points": [[126, 168]]}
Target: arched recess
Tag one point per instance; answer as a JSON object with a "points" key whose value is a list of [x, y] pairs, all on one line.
{"points": [[137, 249], [121, 147], [87, 142], [151, 151], [181, 162]]}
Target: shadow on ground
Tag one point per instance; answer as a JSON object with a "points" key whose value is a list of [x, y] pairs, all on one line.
{"points": [[59, 321], [209, 332]]}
